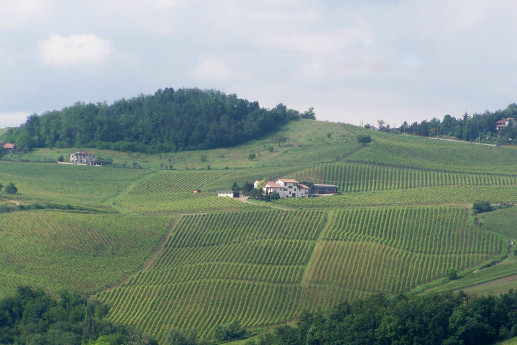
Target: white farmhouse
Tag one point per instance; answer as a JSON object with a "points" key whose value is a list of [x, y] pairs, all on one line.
{"points": [[286, 188], [84, 157]]}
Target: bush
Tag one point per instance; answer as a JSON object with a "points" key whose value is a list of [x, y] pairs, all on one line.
{"points": [[482, 206], [60, 158], [451, 273], [364, 139], [229, 331], [11, 189]]}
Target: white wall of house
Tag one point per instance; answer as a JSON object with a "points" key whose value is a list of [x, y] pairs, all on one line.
{"points": [[286, 188]]}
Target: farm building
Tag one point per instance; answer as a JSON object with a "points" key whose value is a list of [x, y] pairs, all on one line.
{"points": [[9, 146], [286, 188], [227, 193], [324, 189], [82, 157]]}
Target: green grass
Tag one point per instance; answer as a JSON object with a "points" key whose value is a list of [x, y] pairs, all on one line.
{"points": [[79, 252], [66, 184], [307, 142], [426, 153]]}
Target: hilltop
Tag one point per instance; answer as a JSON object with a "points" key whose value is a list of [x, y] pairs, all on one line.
{"points": [[168, 121], [166, 258]]}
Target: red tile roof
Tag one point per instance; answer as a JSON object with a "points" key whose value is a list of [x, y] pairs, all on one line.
{"points": [[9, 146], [302, 186], [288, 180]]}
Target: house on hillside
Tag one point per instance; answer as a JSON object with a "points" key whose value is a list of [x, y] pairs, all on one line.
{"points": [[505, 122], [83, 157], [9, 146], [286, 188]]}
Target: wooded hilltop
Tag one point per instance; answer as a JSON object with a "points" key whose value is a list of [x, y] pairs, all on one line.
{"points": [[168, 121]]}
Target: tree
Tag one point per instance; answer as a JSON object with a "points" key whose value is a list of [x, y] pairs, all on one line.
{"points": [[482, 206], [274, 196], [60, 158], [11, 189], [251, 156], [229, 331], [309, 114], [451, 273], [235, 187], [247, 187], [364, 139], [1, 186], [182, 337], [280, 138]]}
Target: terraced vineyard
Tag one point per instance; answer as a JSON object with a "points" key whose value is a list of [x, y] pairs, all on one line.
{"points": [[353, 177], [264, 267], [48, 249]]}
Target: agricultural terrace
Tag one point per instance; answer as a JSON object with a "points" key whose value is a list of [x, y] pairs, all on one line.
{"points": [[48, 249], [264, 267]]}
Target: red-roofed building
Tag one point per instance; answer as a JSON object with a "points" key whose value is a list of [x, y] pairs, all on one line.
{"points": [[505, 122], [9, 146]]}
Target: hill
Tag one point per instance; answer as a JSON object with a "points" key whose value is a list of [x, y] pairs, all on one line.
{"points": [[402, 220], [170, 120]]}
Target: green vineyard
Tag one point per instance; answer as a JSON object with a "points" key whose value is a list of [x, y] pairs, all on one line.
{"points": [[353, 177], [164, 251], [264, 267], [104, 248]]}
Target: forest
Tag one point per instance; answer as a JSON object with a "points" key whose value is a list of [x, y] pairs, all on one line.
{"points": [[428, 319], [168, 121], [476, 127]]}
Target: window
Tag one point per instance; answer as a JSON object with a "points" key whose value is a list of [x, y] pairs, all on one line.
{"points": [[290, 186]]}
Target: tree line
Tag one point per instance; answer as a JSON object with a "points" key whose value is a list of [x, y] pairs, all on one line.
{"points": [[31, 316], [478, 127], [168, 121], [444, 319]]}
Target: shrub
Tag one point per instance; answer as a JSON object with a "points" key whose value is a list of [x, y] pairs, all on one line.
{"points": [[11, 189]]}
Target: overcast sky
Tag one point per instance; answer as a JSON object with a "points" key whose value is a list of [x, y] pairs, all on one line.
{"points": [[354, 61]]}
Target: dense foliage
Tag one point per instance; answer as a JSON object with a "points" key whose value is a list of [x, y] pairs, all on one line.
{"points": [[169, 120], [31, 316], [429, 319], [480, 127]]}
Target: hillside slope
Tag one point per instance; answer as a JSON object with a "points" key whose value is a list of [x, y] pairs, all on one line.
{"points": [[403, 219]]}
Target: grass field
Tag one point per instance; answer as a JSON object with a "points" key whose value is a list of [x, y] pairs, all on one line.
{"points": [[165, 257]]}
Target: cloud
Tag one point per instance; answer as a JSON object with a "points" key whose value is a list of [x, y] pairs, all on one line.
{"points": [[20, 14], [212, 70], [59, 51]]}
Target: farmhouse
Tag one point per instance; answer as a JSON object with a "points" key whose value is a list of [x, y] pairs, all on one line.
{"points": [[84, 157], [286, 188], [505, 122]]}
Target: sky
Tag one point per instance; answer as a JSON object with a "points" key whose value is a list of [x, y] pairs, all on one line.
{"points": [[353, 61]]}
